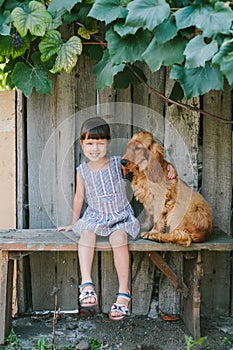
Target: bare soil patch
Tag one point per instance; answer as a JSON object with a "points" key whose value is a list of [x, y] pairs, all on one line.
{"points": [[74, 331]]}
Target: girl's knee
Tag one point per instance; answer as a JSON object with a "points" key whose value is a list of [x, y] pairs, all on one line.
{"points": [[118, 239], [87, 238]]}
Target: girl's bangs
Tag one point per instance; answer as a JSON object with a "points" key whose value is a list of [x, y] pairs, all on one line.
{"points": [[96, 133]]}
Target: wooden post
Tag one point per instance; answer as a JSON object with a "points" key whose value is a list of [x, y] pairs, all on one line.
{"points": [[6, 286], [191, 304]]}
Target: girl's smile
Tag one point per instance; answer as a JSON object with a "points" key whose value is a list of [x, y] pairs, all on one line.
{"points": [[95, 150]]}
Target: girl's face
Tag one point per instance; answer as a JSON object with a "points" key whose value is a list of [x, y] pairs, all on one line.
{"points": [[95, 150]]}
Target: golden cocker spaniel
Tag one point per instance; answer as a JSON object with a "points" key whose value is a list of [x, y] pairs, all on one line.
{"points": [[176, 213]]}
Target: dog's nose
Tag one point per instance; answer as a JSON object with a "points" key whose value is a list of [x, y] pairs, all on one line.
{"points": [[123, 162]]}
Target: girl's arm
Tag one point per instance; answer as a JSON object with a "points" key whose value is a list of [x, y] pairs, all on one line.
{"points": [[77, 204]]}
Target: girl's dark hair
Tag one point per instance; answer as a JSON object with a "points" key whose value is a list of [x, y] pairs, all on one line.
{"points": [[95, 128]]}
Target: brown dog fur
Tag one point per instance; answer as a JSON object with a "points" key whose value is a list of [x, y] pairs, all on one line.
{"points": [[177, 213]]}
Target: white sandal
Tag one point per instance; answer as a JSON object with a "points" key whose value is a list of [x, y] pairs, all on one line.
{"points": [[122, 309], [87, 294]]}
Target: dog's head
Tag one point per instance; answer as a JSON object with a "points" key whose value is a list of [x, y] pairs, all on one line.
{"points": [[144, 154]]}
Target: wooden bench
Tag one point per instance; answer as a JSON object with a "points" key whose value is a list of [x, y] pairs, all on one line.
{"points": [[15, 244]]}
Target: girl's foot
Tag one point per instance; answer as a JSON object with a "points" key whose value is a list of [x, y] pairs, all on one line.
{"points": [[87, 295], [120, 308]]}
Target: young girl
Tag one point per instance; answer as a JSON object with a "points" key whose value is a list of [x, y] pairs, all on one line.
{"points": [[108, 213]]}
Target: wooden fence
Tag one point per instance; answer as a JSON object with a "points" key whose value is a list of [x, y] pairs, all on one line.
{"points": [[48, 152]]}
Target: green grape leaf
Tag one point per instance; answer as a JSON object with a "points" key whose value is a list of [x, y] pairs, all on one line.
{"points": [[165, 54], [8, 50], [210, 20], [198, 81], [165, 31], [148, 13], [105, 71], [186, 16], [67, 55], [86, 33], [35, 19], [107, 10], [50, 45], [224, 58], [123, 79], [128, 49], [26, 77], [5, 22], [123, 29], [57, 6], [197, 52], [88, 30], [218, 20]]}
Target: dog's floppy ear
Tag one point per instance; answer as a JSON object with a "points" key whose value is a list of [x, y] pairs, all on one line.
{"points": [[154, 170], [157, 151]]}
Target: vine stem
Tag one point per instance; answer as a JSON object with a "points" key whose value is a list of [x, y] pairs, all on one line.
{"points": [[180, 104], [94, 43]]}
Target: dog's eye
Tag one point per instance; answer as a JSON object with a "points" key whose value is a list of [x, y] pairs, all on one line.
{"points": [[137, 148]]}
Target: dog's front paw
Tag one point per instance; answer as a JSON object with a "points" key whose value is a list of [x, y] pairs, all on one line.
{"points": [[151, 235], [144, 235]]}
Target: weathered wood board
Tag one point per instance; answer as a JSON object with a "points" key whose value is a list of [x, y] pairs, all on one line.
{"points": [[169, 296], [142, 286], [109, 282], [217, 187], [216, 283], [217, 156]]}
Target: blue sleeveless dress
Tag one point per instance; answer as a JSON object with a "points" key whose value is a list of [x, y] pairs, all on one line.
{"points": [[108, 208]]}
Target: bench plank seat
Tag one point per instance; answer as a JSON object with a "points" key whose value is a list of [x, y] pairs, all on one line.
{"points": [[51, 240]]}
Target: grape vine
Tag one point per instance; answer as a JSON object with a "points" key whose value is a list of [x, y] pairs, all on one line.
{"points": [[193, 37]]}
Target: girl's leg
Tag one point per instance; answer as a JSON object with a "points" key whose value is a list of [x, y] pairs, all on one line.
{"points": [[119, 242], [86, 250]]}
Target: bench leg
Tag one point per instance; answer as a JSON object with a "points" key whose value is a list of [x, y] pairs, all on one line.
{"points": [[168, 272], [189, 287], [191, 304], [6, 286]]}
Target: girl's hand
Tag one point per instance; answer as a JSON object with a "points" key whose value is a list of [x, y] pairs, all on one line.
{"points": [[171, 172], [65, 228]]}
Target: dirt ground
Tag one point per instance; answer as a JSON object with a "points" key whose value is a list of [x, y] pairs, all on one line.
{"points": [[74, 331]]}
